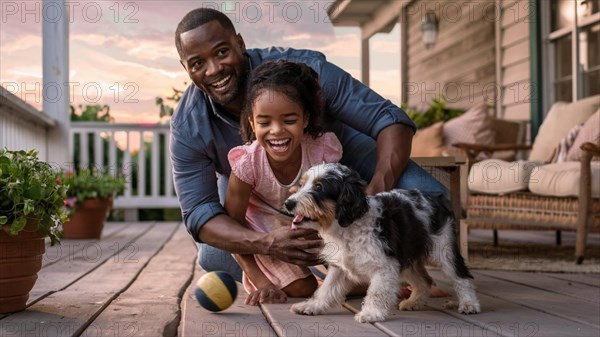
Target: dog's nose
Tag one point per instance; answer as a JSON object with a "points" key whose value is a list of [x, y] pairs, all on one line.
{"points": [[290, 204]]}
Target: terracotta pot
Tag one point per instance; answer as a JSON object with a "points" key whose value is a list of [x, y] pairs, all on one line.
{"points": [[20, 261], [88, 219]]}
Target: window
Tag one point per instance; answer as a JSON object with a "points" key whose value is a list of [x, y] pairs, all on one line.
{"points": [[574, 49]]}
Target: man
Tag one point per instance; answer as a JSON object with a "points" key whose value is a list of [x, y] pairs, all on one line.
{"points": [[376, 136]]}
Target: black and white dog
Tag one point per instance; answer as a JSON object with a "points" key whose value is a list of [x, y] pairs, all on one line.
{"points": [[378, 240]]}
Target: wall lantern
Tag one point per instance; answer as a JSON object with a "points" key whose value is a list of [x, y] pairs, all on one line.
{"points": [[429, 29]]}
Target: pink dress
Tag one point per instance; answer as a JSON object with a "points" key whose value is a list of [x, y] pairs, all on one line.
{"points": [[250, 164]]}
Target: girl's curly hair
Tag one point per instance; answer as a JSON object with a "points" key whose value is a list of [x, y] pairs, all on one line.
{"points": [[297, 81]]}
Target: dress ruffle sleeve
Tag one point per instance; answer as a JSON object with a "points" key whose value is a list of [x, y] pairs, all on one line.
{"points": [[240, 160], [328, 149]]}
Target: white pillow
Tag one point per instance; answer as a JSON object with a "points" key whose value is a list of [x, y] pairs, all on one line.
{"points": [[561, 118]]}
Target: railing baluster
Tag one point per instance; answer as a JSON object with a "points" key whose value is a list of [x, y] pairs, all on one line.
{"points": [[84, 161], [127, 165], [112, 154], [155, 164], [169, 169], [98, 151], [141, 168]]}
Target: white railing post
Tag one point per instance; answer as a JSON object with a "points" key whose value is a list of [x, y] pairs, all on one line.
{"points": [[55, 91]]}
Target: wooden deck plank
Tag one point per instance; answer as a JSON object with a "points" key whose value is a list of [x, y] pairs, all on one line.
{"points": [[432, 321], [68, 247], [337, 322], [539, 299], [70, 311], [501, 315], [77, 263], [591, 279], [543, 281], [238, 320], [152, 302]]}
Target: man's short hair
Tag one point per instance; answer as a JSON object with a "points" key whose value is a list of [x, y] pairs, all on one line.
{"points": [[197, 18]]}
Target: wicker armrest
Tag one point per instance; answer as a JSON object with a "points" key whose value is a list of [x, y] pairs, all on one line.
{"points": [[473, 150]]}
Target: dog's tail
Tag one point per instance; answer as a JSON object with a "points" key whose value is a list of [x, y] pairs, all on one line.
{"points": [[446, 215]]}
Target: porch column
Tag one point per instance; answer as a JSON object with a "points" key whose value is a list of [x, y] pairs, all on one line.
{"points": [[403, 52], [55, 90], [364, 60]]}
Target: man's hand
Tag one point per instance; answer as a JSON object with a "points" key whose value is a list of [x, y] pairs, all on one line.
{"points": [[291, 245], [266, 294]]}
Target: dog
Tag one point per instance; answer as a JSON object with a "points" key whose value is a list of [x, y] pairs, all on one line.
{"points": [[378, 240]]}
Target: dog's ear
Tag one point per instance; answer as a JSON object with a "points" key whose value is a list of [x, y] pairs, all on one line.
{"points": [[352, 200]]}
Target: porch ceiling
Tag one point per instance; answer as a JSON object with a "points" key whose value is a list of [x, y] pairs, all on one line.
{"points": [[372, 16]]}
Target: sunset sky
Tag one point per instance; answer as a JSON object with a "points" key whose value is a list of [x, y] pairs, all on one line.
{"points": [[122, 53]]}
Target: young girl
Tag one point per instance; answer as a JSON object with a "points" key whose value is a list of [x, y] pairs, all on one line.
{"points": [[280, 125]]}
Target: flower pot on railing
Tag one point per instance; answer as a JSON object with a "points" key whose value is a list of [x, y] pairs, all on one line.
{"points": [[20, 261], [87, 220]]}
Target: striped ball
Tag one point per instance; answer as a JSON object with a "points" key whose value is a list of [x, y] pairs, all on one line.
{"points": [[216, 291]]}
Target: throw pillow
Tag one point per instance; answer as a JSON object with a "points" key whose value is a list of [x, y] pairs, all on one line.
{"points": [[474, 127], [428, 142], [560, 119], [560, 151], [590, 132]]}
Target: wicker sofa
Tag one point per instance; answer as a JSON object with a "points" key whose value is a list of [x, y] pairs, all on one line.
{"points": [[533, 194]]}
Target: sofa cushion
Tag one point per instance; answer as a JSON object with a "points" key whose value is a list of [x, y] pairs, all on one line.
{"points": [[560, 119], [428, 142], [562, 179], [494, 176], [590, 132], [474, 127]]}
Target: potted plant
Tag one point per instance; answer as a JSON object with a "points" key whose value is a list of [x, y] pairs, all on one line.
{"points": [[89, 200], [31, 208]]}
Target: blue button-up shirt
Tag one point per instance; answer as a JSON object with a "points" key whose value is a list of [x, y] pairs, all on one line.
{"points": [[202, 133]]}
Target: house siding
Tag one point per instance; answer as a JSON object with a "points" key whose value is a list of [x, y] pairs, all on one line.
{"points": [[461, 66], [515, 81]]}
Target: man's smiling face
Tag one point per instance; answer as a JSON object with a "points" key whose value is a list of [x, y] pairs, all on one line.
{"points": [[214, 59]]}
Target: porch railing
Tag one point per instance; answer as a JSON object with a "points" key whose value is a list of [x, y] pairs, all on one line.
{"points": [[138, 151]]}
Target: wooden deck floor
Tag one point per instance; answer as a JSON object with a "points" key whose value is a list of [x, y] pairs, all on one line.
{"points": [[138, 281]]}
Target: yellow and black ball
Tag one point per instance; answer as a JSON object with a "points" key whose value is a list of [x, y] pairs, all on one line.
{"points": [[216, 291]]}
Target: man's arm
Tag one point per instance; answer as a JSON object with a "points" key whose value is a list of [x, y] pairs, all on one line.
{"points": [[358, 106], [393, 150]]}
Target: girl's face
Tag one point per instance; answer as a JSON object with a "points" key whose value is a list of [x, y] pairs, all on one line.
{"points": [[278, 123]]}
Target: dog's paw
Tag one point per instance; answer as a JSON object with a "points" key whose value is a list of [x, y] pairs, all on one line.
{"points": [[307, 308], [370, 316], [469, 308], [411, 305]]}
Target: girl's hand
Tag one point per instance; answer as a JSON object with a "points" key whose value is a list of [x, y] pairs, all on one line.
{"points": [[267, 294]]}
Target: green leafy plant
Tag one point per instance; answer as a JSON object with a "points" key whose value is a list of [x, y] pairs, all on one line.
{"points": [[30, 188], [436, 112], [85, 184]]}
